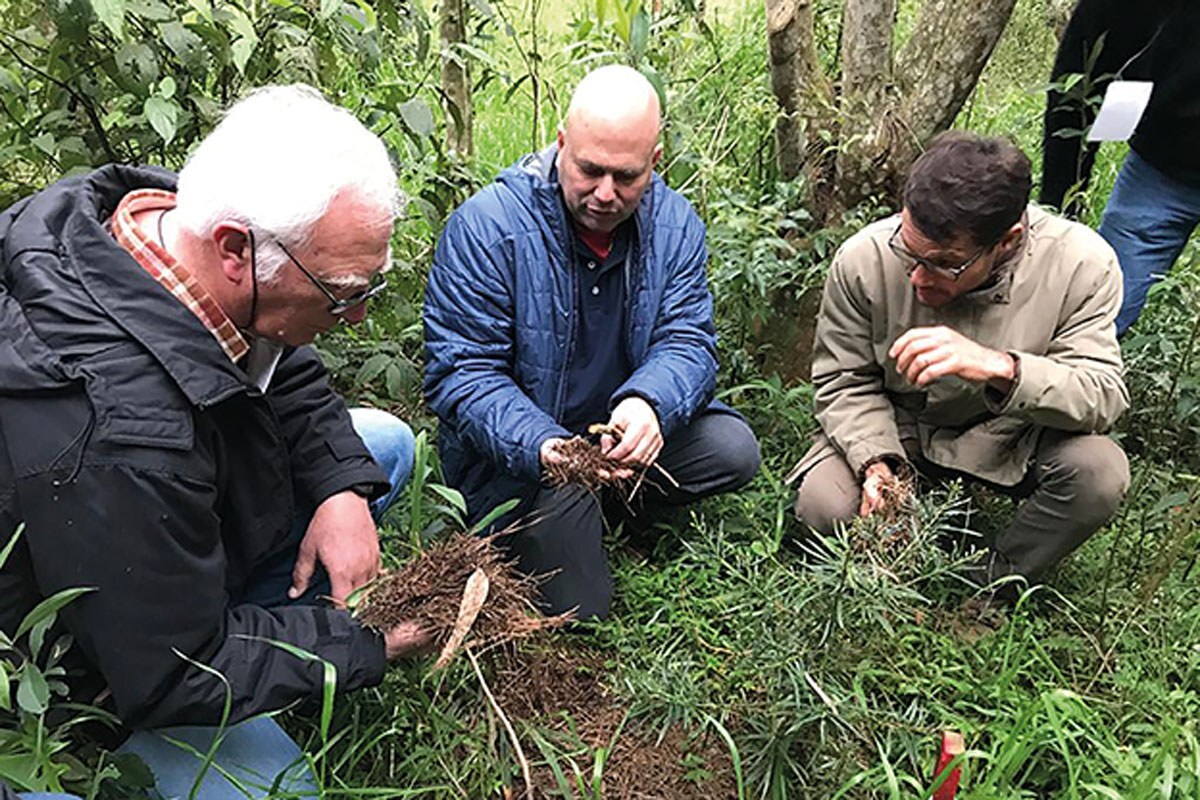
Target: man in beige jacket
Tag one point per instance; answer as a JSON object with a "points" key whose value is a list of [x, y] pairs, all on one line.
{"points": [[972, 336]]}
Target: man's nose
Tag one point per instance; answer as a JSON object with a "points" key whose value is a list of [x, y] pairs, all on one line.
{"points": [[604, 189], [355, 315], [921, 277]]}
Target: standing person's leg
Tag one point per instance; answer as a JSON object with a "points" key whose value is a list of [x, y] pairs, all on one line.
{"points": [[257, 752], [1073, 488], [559, 534], [1148, 220]]}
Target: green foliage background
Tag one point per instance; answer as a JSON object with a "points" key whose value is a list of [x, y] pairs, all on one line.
{"points": [[831, 670]]}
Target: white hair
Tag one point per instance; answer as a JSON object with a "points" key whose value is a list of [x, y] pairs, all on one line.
{"points": [[275, 162]]}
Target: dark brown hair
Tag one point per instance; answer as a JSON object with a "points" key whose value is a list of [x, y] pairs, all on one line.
{"points": [[969, 184]]}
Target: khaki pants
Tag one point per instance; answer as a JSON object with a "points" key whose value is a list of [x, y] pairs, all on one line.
{"points": [[1073, 487]]}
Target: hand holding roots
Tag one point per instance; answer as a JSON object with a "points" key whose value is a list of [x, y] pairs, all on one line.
{"points": [[461, 591], [579, 461]]}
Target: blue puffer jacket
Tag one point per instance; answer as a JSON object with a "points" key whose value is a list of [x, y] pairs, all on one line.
{"points": [[500, 326]]}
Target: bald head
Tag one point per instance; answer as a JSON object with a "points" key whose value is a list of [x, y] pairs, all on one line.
{"points": [[608, 146], [616, 96]]}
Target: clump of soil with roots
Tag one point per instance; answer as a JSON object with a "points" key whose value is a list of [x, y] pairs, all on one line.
{"points": [[582, 463], [461, 590]]}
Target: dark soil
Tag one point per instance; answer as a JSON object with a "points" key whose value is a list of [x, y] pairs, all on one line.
{"points": [[563, 692]]}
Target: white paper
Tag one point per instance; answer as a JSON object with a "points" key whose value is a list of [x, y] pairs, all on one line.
{"points": [[1124, 104]]}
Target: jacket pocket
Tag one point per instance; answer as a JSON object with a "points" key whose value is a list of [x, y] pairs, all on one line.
{"points": [[149, 427]]}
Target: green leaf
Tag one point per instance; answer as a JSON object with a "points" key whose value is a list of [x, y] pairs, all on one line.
{"points": [[639, 34], [372, 368], [328, 9], [656, 81], [417, 117], [495, 514], [5, 689], [451, 496], [163, 115], [241, 50], [45, 143], [393, 381], [33, 694], [112, 14], [167, 87], [6, 551], [50, 606], [37, 635]]}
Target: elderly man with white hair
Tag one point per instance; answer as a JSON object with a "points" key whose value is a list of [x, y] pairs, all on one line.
{"points": [[569, 292], [172, 445]]}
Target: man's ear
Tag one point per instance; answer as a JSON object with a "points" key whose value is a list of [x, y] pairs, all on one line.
{"points": [[1012, 236], [561, 139], [233, 246], [658, 151]]}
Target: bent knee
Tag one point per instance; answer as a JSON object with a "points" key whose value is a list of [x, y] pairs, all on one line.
{"points": [[1097, 471], [742, 457], [828, 495]]}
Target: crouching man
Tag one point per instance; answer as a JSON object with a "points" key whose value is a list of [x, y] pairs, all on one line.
{"points": [[971, 336], [171, 443], [573, 291]]}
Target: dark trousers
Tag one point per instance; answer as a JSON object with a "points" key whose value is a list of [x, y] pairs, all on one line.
{"points": [[716, 453]]}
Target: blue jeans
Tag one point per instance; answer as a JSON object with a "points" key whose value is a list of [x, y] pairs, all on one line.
{"points": [[1148, 220], [257, 753]]}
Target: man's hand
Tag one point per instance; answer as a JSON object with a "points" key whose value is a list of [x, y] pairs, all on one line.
{"points": [[925, 354], [549, 453], [342, 537], [406, 639], [641, 440], [876, 477]]}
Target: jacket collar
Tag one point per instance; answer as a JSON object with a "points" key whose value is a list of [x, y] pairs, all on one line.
{"points": [[132, 299], [540, 171]]}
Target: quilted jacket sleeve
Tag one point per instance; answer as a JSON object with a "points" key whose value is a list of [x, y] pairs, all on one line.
{"points": [[679, 374], [469, 351]]}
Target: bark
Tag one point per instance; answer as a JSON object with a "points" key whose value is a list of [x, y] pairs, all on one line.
{"points": [[798, 83], [865, 103], [456, 83], [938, 68]]}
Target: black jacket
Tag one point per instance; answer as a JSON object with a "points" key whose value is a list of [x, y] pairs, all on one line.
{"points": [[143, 464], [1155, 40]]}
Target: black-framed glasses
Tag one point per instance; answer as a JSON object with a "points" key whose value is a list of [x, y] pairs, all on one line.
{"points": [[339, 305], [911, 260]]}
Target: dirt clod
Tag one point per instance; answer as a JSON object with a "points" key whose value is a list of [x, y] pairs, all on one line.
{"points": [[429, 591]]}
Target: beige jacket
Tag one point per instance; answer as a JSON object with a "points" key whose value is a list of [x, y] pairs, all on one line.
{"points": [[1053, 307]]}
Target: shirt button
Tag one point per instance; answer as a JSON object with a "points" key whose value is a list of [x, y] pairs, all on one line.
{"points": [[595, 290], [591, 265]]}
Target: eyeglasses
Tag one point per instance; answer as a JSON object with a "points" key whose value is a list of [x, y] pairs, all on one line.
{"points": [[339, 305], [912, 260]]}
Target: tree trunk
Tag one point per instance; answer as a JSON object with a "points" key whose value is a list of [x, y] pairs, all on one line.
{"points": [[885, 112], [798, 83], [456, 83], [866, 78], [939, 66]]}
